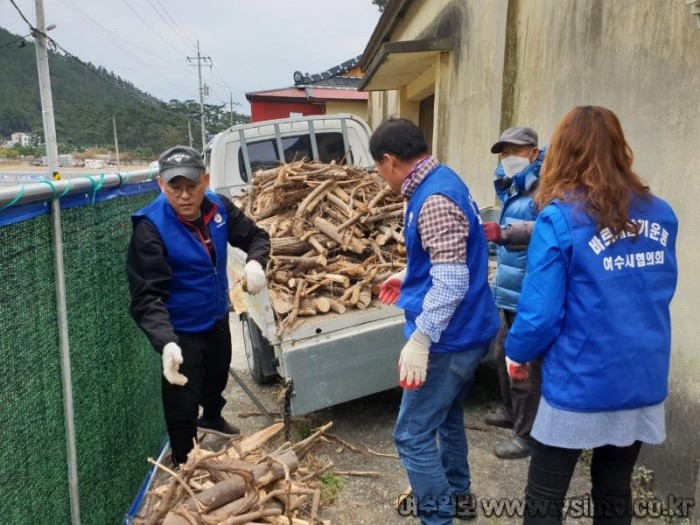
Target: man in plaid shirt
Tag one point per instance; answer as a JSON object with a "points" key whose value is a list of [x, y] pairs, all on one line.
{"points": [[450, 317]]}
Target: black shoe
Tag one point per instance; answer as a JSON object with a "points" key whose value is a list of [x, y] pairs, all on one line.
{"points": [[501, 418], [466, 507], [219, 427], [513, 448]]}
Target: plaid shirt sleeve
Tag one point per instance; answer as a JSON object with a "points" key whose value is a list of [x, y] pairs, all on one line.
{"points": [[444, 230]]}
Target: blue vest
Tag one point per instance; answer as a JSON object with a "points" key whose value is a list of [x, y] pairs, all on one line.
{"points": [[512, 262], [198, 290], [475, 320], [614, 345]]}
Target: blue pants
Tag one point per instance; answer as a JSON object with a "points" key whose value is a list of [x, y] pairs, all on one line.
{"points": [[437, 474]]}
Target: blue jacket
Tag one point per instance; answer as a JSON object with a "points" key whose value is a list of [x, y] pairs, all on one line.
{"points": [[518, 206], [475, 321], [598, 308], [199, 289]]}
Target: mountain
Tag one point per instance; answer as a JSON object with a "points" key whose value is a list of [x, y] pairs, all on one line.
{"points": [[86, 96]]}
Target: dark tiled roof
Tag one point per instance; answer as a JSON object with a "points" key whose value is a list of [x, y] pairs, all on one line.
{"points": [[337, 82], [330, 79], [323, 78]]}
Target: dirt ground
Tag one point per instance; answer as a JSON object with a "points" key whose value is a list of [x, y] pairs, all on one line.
{"points": [[369, 422]]}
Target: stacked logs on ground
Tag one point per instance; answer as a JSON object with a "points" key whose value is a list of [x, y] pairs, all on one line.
{"points": [[242, 483], [336, 233]]}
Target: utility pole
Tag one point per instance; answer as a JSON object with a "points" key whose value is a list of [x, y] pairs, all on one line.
{"points": [[116, 142], [200, 59], [189, 130], [231, 109], [42, 62]]}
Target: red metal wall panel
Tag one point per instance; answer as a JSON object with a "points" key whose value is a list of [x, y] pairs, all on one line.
{"points": [[263, 110]]}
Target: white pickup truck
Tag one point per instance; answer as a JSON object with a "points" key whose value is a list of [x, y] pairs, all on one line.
{"points": [[326, 359], [234, 154]]}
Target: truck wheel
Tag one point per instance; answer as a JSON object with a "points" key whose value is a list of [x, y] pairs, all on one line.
{"points": [[259, 354]]}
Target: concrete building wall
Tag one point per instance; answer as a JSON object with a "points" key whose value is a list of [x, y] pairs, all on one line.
{"points": [[354, 108], [640, 58], [527, 62], [468, 99]]}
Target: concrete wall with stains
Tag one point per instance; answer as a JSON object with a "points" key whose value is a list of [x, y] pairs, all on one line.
{"points": [[527, 62], [467, 108], [640, 58]]}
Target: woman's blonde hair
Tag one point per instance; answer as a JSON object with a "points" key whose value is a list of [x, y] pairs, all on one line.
{"points": [[589, 161]]}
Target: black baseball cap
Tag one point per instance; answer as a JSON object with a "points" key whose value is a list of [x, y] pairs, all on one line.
{"points": [[180, 161], [517, 135]]}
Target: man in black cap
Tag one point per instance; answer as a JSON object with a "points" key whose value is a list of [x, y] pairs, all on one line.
{"points": [[176, 267], [516, 179]]}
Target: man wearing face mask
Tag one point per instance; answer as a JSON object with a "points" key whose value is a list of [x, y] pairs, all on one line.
{"points": [[516, 180]]}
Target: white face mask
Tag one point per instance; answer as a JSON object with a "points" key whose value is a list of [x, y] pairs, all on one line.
{"points": [[513, 165]]}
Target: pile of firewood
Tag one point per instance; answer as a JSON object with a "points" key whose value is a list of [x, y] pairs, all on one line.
{"points": [[242, 483], [336, 232]]}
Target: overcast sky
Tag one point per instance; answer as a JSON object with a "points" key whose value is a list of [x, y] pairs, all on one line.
{"points": [[253, 44]]}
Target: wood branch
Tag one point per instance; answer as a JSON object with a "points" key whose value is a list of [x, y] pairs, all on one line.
{"points": [[243, 415], [338, 203], [320, 249], [381, 217], [304, 446], [337, 306], [329, 230], [313, 198], [352, 220], [386, 209], [377, 198], [301, 263], [257, 440], [289, 246], [281, 302], [363, 473]]}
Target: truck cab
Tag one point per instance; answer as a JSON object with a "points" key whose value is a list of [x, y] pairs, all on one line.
{"points": [[234, 154]]}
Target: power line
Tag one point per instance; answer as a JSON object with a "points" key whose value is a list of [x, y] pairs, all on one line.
{"points": [[181, 34], [118, 41], [23, 17], [150, 27]]}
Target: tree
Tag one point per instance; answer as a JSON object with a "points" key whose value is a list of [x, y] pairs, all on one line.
{"points": [[381, 4]]}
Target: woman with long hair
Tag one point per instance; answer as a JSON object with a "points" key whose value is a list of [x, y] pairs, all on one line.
{"points": [[595, 305]]}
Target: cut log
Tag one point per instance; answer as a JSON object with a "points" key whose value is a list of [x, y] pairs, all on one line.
{"points": [[330, 231], [289, 246]]}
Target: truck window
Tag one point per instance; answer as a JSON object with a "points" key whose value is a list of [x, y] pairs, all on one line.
{"points": [[330, 147], [296, 148], [262, 155]]}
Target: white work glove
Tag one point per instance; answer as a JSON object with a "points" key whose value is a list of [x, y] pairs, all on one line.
{"points": [[517, 371], [413, 363], [390, 289], [172, 359], [254, 276]]}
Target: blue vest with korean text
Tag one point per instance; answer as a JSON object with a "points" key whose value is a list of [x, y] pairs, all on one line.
{"points": [[614, 346], [199, 289], [475, 320]]}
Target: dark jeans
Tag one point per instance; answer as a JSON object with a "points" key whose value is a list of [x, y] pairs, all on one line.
{"points": [[550, 473], [437, 473], [206, 359], [520, 398]]}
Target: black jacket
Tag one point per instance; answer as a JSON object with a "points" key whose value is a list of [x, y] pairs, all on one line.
{"points": [[149, 272]]}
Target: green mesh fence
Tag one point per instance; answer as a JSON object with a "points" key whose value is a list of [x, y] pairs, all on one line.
{"points": [[116, 385]]}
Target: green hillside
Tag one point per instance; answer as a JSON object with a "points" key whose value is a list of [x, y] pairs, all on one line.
{"points": [[85, 98]]}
